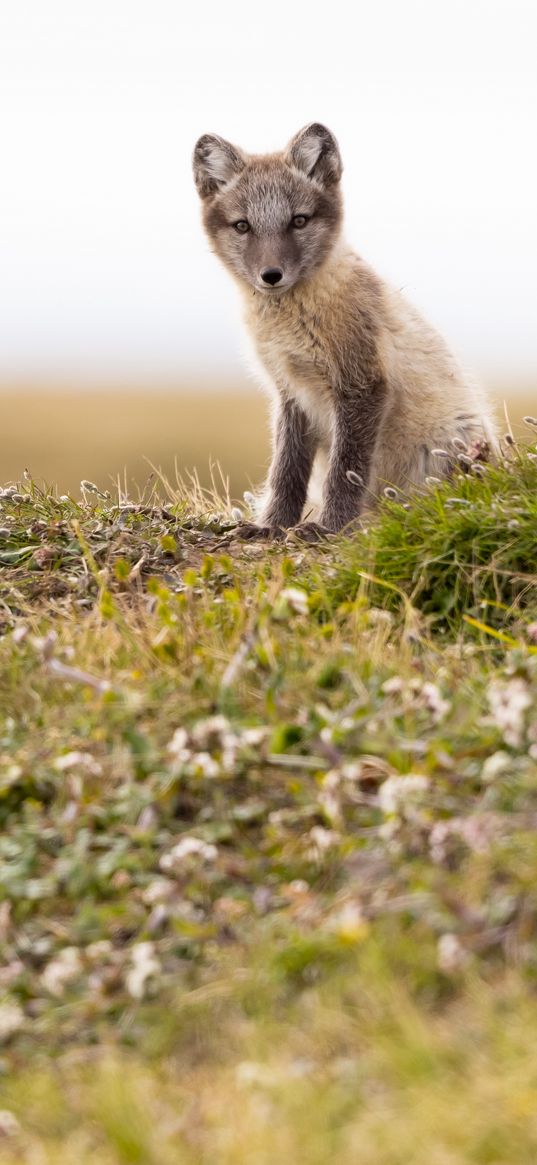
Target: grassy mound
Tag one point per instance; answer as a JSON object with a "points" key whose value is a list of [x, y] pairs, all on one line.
{"points": [[267, 864]]}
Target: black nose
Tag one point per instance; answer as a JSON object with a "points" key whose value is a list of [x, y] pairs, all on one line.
{"points": [[272, 275]]}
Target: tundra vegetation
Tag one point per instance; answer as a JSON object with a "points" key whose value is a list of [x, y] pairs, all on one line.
{"points": [[268, 850]]}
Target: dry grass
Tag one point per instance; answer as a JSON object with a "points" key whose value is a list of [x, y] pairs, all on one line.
{"points": [[61, 436]]}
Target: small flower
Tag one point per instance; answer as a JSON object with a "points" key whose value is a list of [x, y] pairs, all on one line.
{"points": [[530, 420], [251, 1073], [177, 747], [429, 480], [78, 760], [236, 514], [508, 703], [354, 478], [349, 923], [390, 492], [434, 702], [294, 599], [500, 762], [440, 453], [451, 956], [11, 1020], [144, 970], [322, 840], [531, 632], [62, 971], [396, 791], [158, 891], [9, 1125], [187, 848], [204, 765], [91, 488]]}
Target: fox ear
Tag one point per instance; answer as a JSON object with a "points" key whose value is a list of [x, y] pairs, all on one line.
{"points": [[215, 163], [315, 151]]}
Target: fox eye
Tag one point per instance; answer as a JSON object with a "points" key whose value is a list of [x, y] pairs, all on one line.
{"points": [[242, 226], [299, 221]]}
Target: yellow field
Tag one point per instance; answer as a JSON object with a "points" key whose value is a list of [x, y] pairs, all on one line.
{"points": [[63, 436]]}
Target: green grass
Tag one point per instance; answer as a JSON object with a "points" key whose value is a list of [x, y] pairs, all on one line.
{"points": [[268, 849]]}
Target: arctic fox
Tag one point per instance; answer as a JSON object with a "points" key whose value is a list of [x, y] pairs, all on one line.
{"points": [[361, 383]]}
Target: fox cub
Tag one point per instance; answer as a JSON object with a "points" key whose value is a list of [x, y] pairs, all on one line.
{"points": [[363, 386]]}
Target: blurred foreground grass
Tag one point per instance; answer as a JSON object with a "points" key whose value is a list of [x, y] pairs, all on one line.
{"points": [[268, 849], [63, 436]]}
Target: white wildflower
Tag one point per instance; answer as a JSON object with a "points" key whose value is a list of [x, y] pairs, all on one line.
{"points": [[479, 830], [159, 890], [11, 1020], [322, 840], [61, 971], [187, 848], [295, 599], [99, 951], [438, 838], [250, 1073], [349, 923], [78, 760], [254, 737], [396, 791], [508, 702], [451, 955], [144, 970], [434, 701], [211, 730], [178, 746], [215, 733], [531, 632], [9, 1125], [203, 764], [496, 765]]}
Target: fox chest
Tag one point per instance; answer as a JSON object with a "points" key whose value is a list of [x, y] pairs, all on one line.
{"points": [[297, 368]]}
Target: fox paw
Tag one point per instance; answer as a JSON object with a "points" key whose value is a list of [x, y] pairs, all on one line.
{"points": [[250, 532], [308, 532]]}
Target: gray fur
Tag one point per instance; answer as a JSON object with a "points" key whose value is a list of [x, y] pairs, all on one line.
{"points": [[361, 382]]}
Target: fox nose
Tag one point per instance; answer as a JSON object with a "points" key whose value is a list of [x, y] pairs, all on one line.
{"points": [[272, 275]]}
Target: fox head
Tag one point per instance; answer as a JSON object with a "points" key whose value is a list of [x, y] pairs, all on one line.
{"points": [[272, 218]]}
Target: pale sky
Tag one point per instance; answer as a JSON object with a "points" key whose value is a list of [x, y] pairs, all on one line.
{"points": [[104, 269]]}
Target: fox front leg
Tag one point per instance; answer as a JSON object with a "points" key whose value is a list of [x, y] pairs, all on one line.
{"points": [[287, 486], [357, 422], [358, 414]]}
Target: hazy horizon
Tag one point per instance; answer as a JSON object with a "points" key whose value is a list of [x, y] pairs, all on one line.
{"points": [[106, 272]]}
